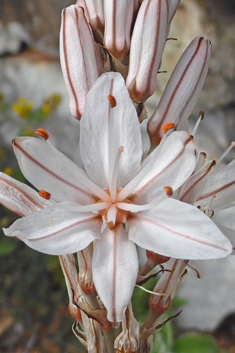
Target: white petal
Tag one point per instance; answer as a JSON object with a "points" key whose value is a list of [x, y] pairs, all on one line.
{"points": [[50, 170], [18, 197], [173, 4], [178, 230], [115, 268], [55, 231], [229, 233], [170, 164], [104, 129], [192, 188], [220, 188]]}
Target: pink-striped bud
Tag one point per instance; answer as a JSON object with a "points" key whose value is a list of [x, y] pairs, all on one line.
{"points": [[183, 89], [78, 57], [118, 20], [147, 44]]}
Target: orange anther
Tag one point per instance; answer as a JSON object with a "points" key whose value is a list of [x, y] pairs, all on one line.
{"points": [[46, 195], [168, 126], [41, 132], [112, 100], [168, 190]]}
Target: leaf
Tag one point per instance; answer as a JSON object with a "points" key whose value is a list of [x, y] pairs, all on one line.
{"points": [[195, 343]]}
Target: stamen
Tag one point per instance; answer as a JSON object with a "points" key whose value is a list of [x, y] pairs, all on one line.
{"points": [[226, 152], [167, 127], [112, 100], [95, 207], [168, 190], [46, 195], [201, 116], [149, 291], [114, 174], [207, 210], [43, 133], [160, 196]]}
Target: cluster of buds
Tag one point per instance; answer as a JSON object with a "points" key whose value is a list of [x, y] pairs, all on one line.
{"points": [[126, 37], [111, 52]]}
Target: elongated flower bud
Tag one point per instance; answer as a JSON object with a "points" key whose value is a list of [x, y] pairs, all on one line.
{"points": [[147, 44], [118, 19], [183, 88], [78, 57]]}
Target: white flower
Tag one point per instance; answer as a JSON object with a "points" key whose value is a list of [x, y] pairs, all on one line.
{"points": [[117, 200]]}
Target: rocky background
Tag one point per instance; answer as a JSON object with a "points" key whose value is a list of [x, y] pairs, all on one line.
{"points": [[29, 67]]}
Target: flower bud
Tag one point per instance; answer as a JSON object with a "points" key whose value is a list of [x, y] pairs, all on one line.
{"points": [[182, 90], [147, 44], [118, 20], [78, 57], [128, 340]]}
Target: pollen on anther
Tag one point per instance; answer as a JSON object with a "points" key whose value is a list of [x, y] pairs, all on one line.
{"points": [[46, 195], [168, 190], [112, 100], [43, 133], [167, 127]]}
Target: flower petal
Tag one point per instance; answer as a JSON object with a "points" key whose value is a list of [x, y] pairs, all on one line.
{"points": [[170, 164], [183, 88], [105, 127], [192, 188], [178, 230], [147, 44], [229, 233], [115, 269], [79, 59], [55, 231], [50, 170], [173, 4], [219, 191], [18, 197]]}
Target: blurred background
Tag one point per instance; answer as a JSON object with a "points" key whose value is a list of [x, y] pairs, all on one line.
{"points": [[33, 298]]}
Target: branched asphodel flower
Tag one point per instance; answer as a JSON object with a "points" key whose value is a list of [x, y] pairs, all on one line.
{"points": [[117, 200], [123, 195]]}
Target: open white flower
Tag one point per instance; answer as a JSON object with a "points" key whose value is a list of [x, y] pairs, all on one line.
{"points": [[117, 200]]}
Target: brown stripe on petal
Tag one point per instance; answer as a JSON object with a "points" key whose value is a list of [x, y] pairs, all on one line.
{"points": [[92, 218], [216, 191], [164, 170], [27, 155], [24, 195], [198, 180], [179, 84], [141, 217]]}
